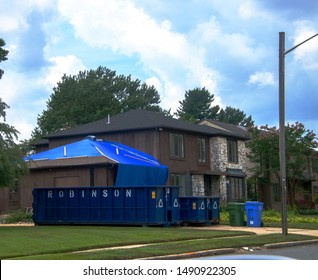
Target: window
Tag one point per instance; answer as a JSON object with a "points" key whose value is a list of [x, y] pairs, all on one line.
{"points": [[314, 165], [176, 145], [235, 189], [179, 180], [232, 154], [201, 148]]}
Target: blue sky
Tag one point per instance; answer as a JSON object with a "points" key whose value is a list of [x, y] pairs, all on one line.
{"points": [[230, 47]]}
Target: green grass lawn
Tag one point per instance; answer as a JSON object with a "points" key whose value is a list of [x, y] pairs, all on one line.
{"points": [[60, 242], [27, 241]]}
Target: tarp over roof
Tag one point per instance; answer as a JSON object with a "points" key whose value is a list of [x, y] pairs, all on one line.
{"points": [[134, 167]]}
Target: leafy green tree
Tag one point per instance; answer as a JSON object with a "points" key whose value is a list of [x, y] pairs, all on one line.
{"points": [[264, 153], [197, 105], [3, 54], [92, 95], [11, 164], [234, 116]]}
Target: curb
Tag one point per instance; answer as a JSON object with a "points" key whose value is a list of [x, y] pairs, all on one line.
{"points": [[215, 252], [290, 244], [191, 255]]}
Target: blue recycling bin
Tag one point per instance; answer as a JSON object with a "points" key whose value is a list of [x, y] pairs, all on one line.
{"points": [[253, 211]]}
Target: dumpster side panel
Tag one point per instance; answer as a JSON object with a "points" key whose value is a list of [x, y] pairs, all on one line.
{"points": [[173, 204], [213, 204], [106, 205], [194, 209]]}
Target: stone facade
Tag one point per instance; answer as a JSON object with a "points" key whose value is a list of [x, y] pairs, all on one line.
{"points": [[219, 163], [219, 157], [198, 185]]}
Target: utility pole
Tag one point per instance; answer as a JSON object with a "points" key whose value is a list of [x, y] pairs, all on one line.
{"points": [[282, 142]]}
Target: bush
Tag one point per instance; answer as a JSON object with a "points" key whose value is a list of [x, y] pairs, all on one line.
{"points": [[16, 216], [274, 216]]}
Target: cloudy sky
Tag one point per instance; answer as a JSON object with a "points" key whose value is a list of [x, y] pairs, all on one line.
{"points": [[230, 47]]}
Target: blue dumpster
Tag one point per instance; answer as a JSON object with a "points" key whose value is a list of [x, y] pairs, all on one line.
{"points": [[194, 210], [145, 205], [213, 204], [253, 211]]}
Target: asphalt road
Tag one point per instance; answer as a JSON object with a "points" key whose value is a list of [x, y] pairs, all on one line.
{"points": [[299, 252]]}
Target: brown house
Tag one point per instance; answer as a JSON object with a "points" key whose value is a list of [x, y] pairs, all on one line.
{"points": [[192, 152]]}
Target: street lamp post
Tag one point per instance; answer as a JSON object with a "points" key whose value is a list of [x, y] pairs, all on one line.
{"points": [[282, 146]]}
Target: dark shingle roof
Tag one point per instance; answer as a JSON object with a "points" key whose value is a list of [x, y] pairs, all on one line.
{"points": [[236, 129], [140, 120]]}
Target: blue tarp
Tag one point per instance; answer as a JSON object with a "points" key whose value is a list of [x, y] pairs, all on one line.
{"points": [[135, 168]]}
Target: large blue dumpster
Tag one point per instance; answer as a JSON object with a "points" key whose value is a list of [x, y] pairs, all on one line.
{"points": [[145, 205], [194, 209], [213, 205], [253, 211]]}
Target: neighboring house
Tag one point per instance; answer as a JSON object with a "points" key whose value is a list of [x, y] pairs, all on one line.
{"points": [[202, 160]]}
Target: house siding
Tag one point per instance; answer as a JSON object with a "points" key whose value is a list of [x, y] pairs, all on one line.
{"points": [[62, 177]]}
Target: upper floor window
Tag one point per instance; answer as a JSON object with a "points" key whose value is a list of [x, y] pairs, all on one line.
{"points": [[232, 152], [176, 145], [201, 148]]}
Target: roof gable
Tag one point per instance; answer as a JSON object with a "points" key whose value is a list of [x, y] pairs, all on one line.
{"points": [[236, 129]]}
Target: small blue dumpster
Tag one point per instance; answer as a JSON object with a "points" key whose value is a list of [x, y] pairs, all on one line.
{"points": [[194, 210], [253, 211]]}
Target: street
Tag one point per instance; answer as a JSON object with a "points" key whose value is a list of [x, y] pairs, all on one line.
{"points": [[299, 252]]}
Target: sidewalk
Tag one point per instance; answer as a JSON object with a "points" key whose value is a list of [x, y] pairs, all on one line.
{"points": [[262, 230]]}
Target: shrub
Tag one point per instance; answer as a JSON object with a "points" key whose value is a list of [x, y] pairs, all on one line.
{"points": [[17, 216]]}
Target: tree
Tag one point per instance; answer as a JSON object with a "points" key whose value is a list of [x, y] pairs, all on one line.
{"points": [[264, 153], [12, 165], [3, 54], [234, 116], [92, 95], [197, 105]]}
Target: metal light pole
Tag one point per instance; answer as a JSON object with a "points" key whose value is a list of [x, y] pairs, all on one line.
{"points": [[282, 146]]}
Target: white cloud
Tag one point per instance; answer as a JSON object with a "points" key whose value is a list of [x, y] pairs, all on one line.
{"points": [[250, 10], [11, 90], [238, 46], [21, 93], [69, 65], [13, 13], [247, 10], [262, 79], [306, 54], [154, 81], [126, 29]]}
